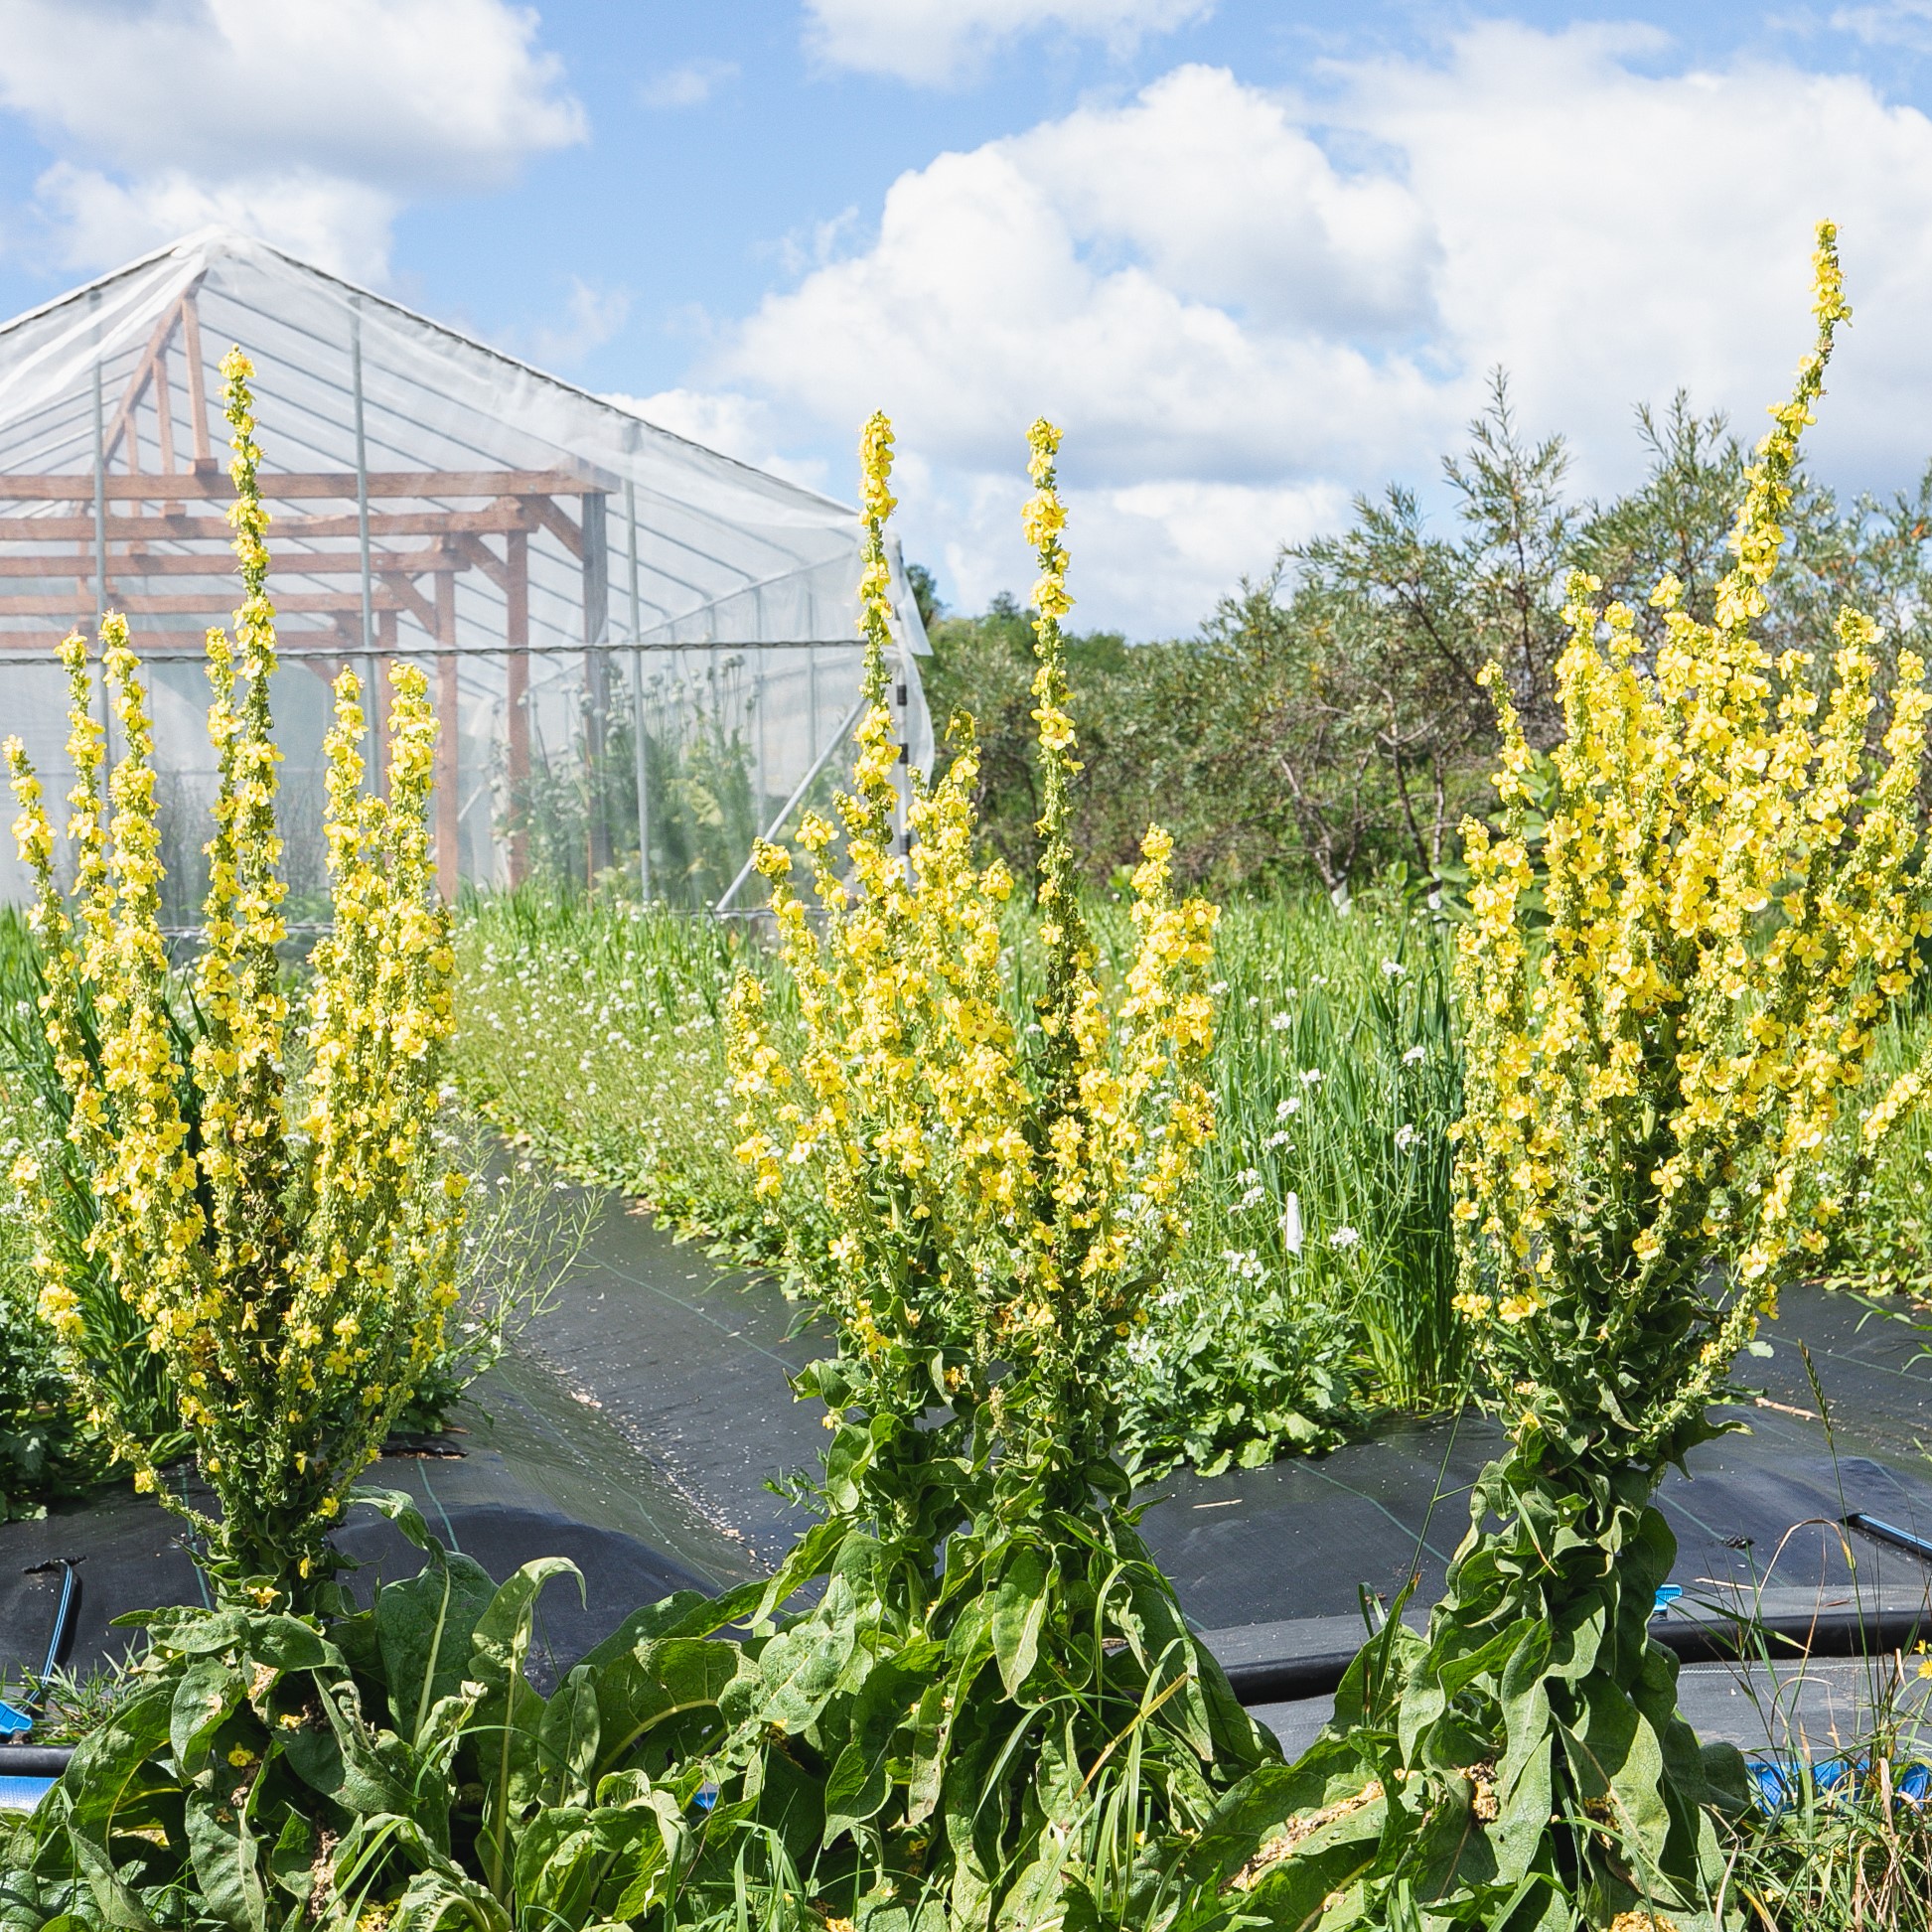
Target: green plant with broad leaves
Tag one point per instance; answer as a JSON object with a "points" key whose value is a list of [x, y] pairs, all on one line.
{"points": [[1659, 1052], [1002, 1201]]}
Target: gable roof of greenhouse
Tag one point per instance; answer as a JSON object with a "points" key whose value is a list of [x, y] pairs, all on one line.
{"points": [[430, 498], [726, 552]]}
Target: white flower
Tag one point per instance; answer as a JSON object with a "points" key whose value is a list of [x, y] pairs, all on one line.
{"points": [[1292, 1104], [1292, 1224], [1312, 1076], [1219, 987], [1394, 969], [1280, 1022], [1279, 1138], [1344, 1238], [1406, 1137], [1415, 1056]]}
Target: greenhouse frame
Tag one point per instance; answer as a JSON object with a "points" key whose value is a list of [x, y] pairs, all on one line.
{"points": [[642, 653]]}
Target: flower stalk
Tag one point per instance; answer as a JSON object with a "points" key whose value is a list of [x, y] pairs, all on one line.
{"points": [[289, 1248]]}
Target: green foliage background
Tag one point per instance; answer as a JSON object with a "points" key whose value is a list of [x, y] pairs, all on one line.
{"points": [[1325, 724]]}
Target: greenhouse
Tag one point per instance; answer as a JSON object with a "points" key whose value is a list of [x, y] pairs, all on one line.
{"points": [[638, 648]]}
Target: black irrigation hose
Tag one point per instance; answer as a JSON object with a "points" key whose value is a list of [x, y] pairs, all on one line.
{"points": [[1719, 1640], [34, 1760]]}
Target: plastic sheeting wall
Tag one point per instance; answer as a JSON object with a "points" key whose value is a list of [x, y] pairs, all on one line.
{"points": [[635, 643]]}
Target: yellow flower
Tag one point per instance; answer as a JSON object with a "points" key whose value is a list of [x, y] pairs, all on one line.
{"points": [[290, 1336], [1660, 1039]]}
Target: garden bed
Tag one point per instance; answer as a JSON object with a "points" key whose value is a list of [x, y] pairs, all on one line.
{"points": [[636, 1428]]}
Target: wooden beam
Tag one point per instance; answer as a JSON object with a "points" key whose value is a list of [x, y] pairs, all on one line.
{"points": [[186, 603], [295, 486], [287, 563], [191, 347], [554, 520], [404, 596], [137, 384], [164, 407], [474, 551], [176, 526]]}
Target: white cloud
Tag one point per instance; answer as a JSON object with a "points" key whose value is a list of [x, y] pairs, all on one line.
{"points": [[592, 316], [309, 121], [1048, 273], [1607, 233], [342, 225], [1896, 23], [689, 84], [1237, 328], [938, 43], [735, 425]]}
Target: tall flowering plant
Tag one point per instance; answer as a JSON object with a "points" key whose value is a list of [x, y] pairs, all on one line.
{"points": [[1003, 1196], [289, 1248], [1657, 1075], [1003, 1192]]}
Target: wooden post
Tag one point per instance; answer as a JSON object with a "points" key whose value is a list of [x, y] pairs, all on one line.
{"points": [[516, 639], [448, 804], [597, 683]]}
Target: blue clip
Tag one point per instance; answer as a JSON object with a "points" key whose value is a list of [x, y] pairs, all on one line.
{"points": [[1776, 1780], [14, 1723], [1667, 1594]]}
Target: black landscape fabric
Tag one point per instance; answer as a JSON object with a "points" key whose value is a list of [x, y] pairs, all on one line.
{"points": [[639, 1429]]}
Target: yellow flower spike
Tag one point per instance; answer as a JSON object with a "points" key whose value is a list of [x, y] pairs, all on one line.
{"points": [[1727, 894], [292, 1287], [990, 1199]]}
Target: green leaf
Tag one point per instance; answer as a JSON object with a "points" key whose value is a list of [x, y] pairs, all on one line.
{"points": [[225, 1856], [205, 1697], [685, 1613], [1020, 1610], [105, 1765], [569, 1736], [426, 1628], [799, 1670], [663, 1692]]}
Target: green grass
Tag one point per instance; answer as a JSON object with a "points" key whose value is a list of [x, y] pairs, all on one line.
{"points": [[594, 1033]]}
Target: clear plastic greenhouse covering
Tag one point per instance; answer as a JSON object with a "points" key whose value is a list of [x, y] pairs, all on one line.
{"points": [[638, 648]]}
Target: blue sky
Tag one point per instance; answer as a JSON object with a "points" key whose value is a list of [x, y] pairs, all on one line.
{"points": [[1258, 257]]}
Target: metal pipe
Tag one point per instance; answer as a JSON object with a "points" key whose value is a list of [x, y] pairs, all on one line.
{"points": [[361, 508], [100, 498], [784, 810], [639, 748], [100, 547]]}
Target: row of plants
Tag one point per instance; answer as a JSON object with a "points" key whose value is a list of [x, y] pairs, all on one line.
{"points": [[969, 1698], [1311, 1289]]}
